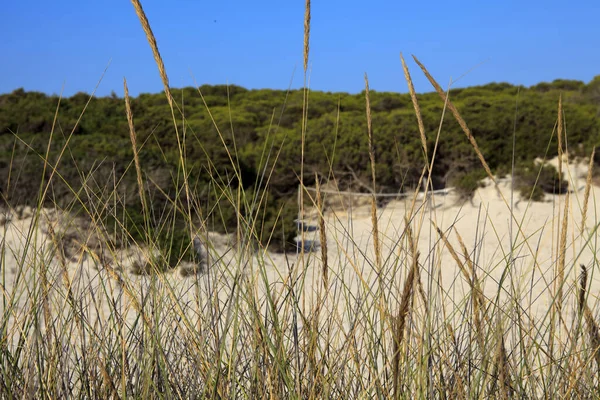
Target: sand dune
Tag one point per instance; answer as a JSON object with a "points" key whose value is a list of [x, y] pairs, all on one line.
{"points": [[485, 224]]}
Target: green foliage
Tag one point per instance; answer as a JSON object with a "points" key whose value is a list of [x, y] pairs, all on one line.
{"points": [[251, 140], [467, 183], [534, 180], [559, 85]]}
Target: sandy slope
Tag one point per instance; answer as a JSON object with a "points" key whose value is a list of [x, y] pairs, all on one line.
{"points": [[491, 236], [484, 224]]}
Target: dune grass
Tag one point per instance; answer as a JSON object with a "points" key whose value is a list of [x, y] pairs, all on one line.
{"points": [[350, 321]]}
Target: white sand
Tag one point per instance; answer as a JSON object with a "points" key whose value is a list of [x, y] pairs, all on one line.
{"points": [[489, 233], [484, 224]]}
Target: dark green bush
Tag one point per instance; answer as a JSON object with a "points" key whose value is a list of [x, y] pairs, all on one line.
{"points": [[465, 184], [259, 135], [534, 180]]}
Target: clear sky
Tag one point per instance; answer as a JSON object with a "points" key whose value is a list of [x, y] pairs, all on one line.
{"points": [[258, 44]]}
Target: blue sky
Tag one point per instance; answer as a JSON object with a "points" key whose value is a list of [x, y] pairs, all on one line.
{"points": [[258, 44]]}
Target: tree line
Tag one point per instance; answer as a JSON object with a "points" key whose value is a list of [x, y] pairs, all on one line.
{"points": [[242, 148]]}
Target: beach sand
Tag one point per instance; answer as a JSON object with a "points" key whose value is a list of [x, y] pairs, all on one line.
{"points": [[514, 258]]}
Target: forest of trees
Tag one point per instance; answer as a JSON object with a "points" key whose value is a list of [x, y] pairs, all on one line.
{"points": [[260, 131]]}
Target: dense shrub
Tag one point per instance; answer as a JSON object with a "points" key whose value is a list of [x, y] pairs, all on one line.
{"points": [[467, 183], [251, 139], [534, 180]]}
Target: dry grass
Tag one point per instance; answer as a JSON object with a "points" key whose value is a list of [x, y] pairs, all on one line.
{"points": [[458, 117], [356, 323], [592, 325], [134, 147], [306, 34], [586, 195], [322, 234], [376, 242], [413, 97], [403, 311]]}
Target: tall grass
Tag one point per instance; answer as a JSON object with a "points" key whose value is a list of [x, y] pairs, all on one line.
{"points": [[399, 303]]}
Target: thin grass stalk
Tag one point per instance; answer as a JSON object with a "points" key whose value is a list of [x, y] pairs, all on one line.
{"points": [[322, 236], [306, 52], [154, 47], [316, 374], [453, 253], [125, 371], [562, 248], [428, 165], [415, 102], [593, 328], [501, 368], [574, 376], [581, 303], [559, 132], [136, 159], [376, 243], [586, 194], [403, 312], [49, 327], [458, 118], [374, 219], [557, 305], [556, 316], [133, 138], [504, 377], [428, 186], [306, 34]]}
